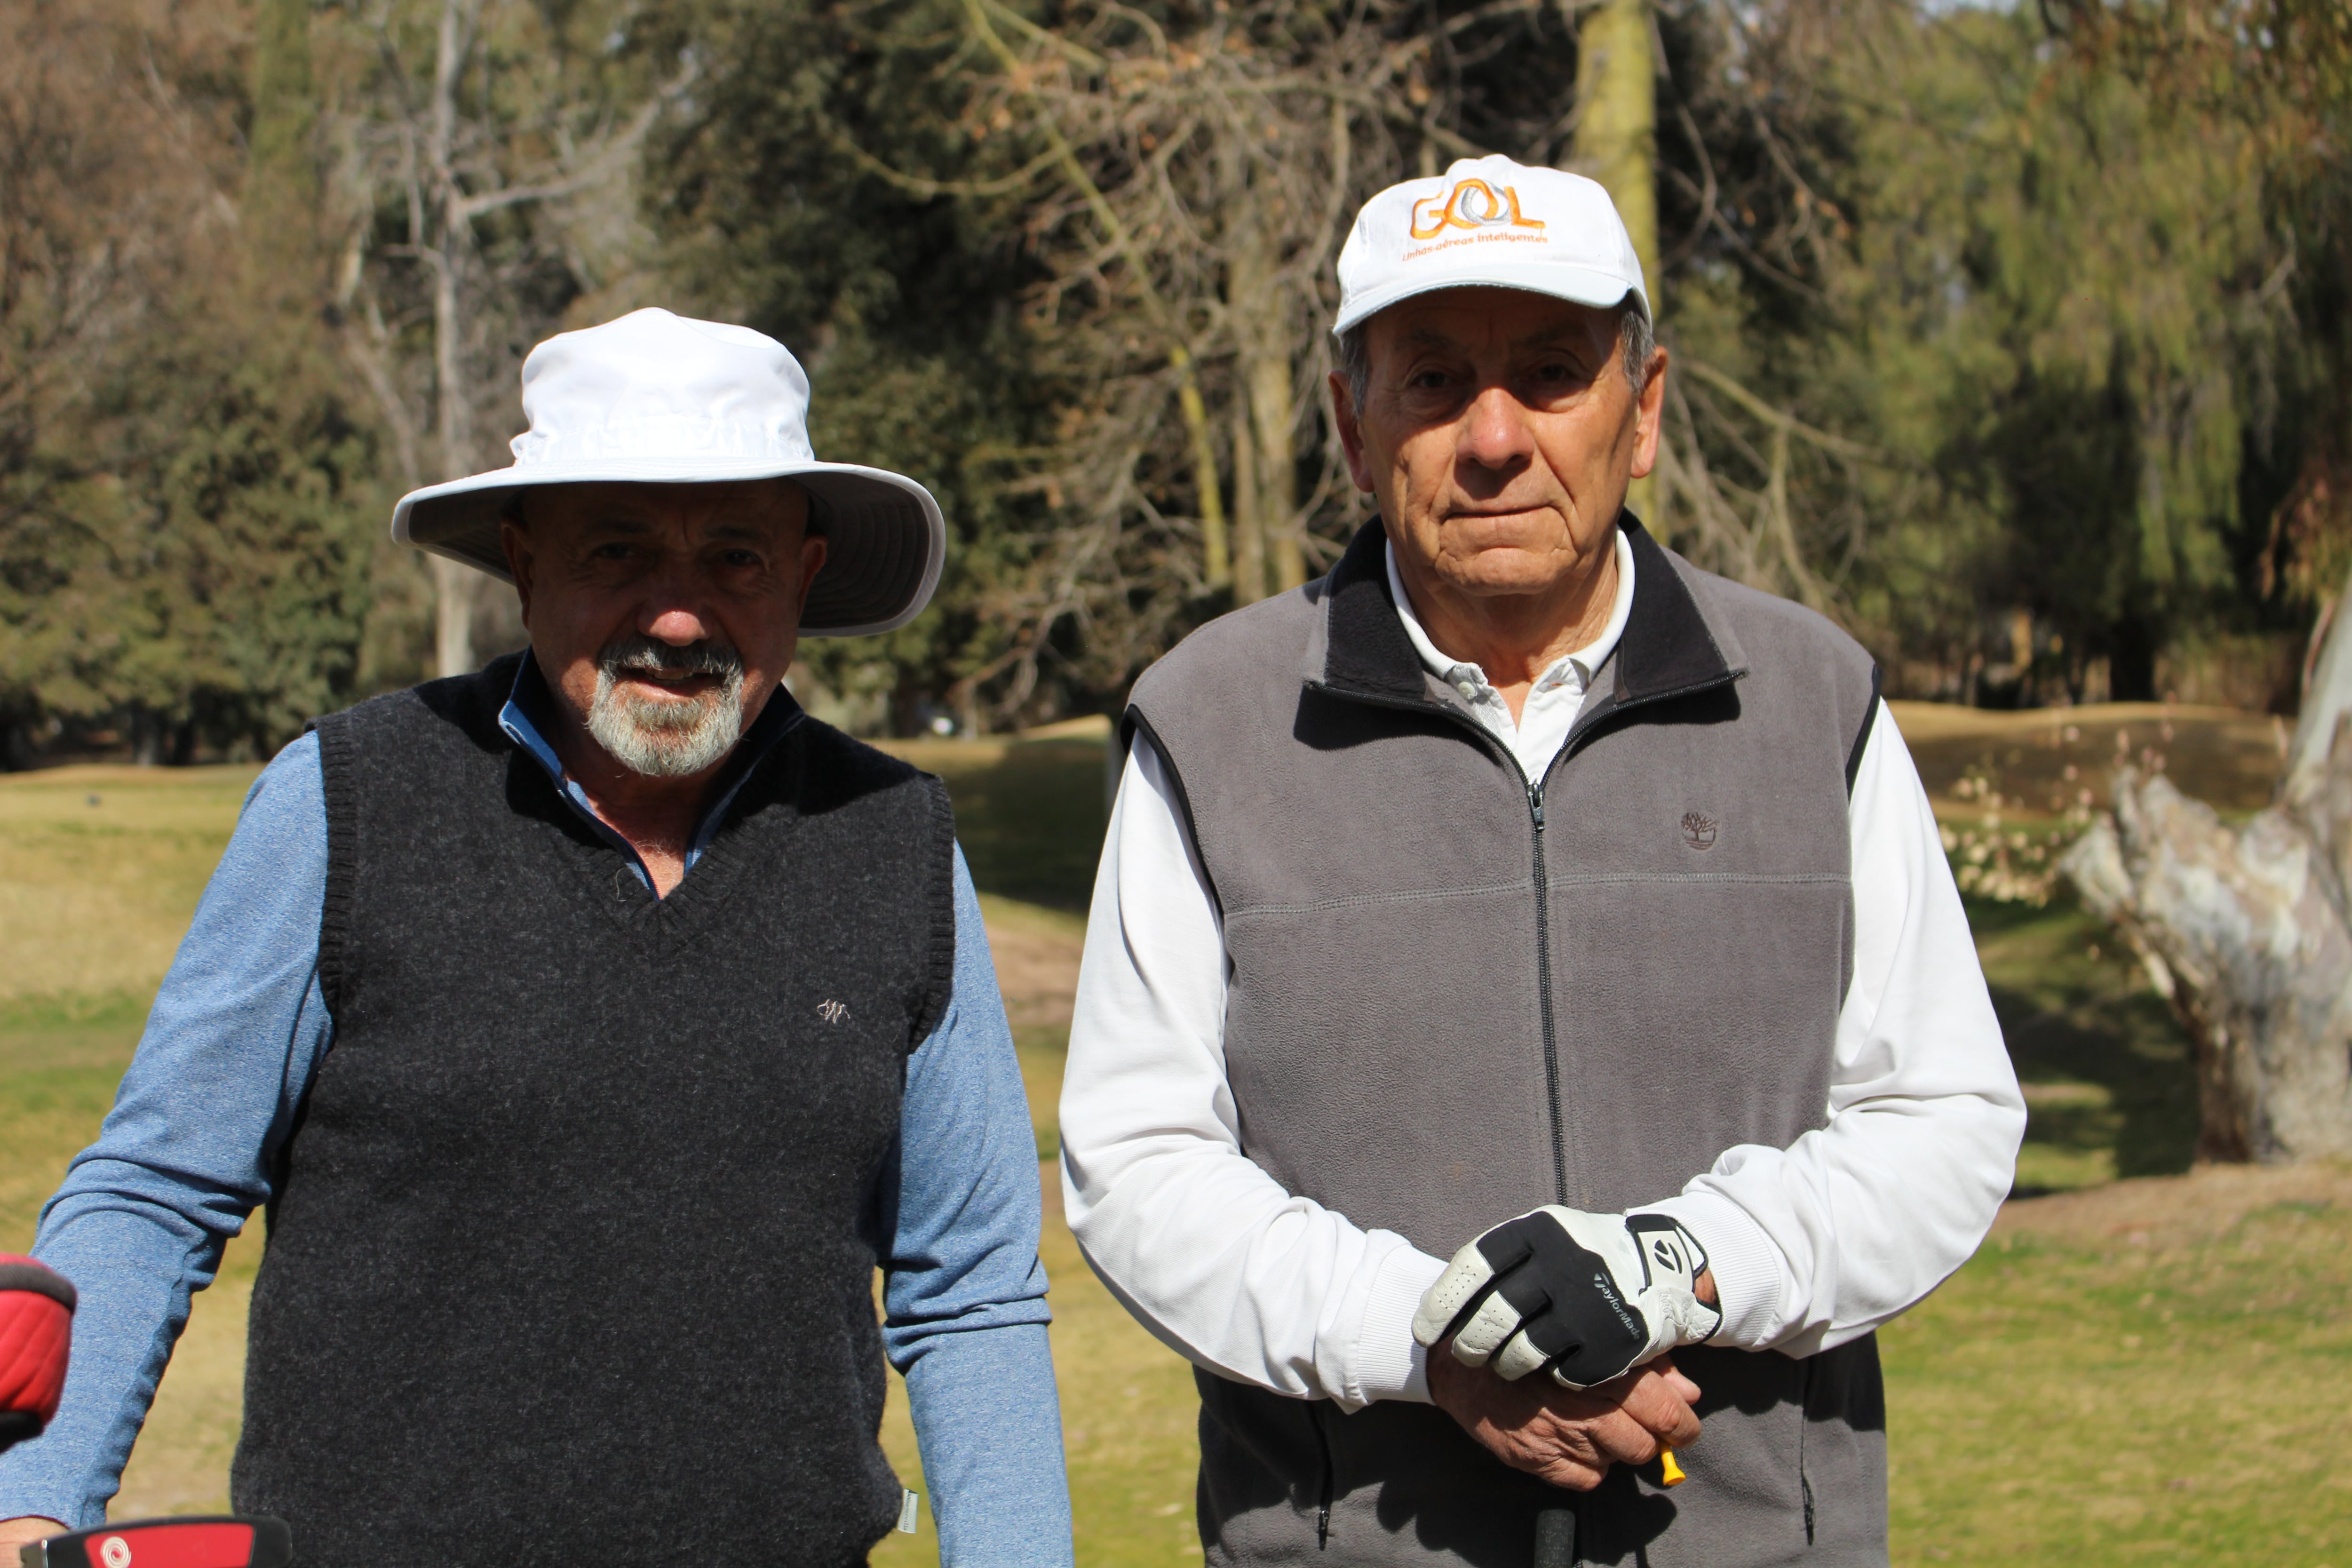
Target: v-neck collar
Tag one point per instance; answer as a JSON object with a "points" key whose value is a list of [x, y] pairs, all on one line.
{"points": [[529, 717]]}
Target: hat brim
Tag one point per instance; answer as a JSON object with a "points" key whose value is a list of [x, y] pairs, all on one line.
{"points": [[885, 539], [1577, 285]]}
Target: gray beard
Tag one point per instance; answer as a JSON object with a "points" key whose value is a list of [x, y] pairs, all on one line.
{"points": [[666, 737]]}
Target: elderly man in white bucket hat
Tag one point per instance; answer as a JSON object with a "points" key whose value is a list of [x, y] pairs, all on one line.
{"points": [[1526, 1007], [593, 1026]]}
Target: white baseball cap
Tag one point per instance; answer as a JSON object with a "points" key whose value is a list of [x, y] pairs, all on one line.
{"points": [[654, 397], [1489, 222]]}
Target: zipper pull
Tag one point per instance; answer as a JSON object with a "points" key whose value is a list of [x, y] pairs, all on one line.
{"points": [[1535, 805]]}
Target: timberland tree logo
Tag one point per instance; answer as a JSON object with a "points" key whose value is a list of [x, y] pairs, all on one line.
{"points": [[1698, 832], [1481, 211], [831, 1011]]}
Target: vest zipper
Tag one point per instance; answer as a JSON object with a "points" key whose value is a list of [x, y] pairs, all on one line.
{"points": [[1543, 996], [1585, 723], [1805, 1409], [1330, 1472], [1535, 792]]}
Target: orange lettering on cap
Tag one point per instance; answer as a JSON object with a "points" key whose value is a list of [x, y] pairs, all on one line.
{"points": [[1471, 203]]}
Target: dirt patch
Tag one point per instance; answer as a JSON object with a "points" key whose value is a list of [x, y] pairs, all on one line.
{"points": [[2046, 759], [2169, 1211]]}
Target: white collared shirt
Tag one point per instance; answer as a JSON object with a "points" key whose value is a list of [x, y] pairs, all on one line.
{"points": [[1811, 1246], [1555, 699]]}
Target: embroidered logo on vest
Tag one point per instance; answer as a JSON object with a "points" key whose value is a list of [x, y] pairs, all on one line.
{"points": [[1698, 832], [831, 1011]]}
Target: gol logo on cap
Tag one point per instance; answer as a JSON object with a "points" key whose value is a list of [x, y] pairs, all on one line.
{"points": [[1470, 204]]}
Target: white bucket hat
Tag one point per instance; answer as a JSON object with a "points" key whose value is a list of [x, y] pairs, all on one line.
{"points": [[658, 398], [1494, 223]]}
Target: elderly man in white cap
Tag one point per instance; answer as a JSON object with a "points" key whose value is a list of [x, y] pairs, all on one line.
{"points": [[1526, 1008], [593, 1026]]}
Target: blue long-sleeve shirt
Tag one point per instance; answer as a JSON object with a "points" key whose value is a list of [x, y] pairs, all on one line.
{"points": [[238, 1028]]}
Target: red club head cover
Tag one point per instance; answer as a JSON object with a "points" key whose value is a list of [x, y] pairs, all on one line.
{"points": [[37, 1306], [211, 1541]]}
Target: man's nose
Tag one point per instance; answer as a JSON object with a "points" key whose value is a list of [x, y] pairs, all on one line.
{"points": [[1495, 433], [675, 606], [676, 624]]}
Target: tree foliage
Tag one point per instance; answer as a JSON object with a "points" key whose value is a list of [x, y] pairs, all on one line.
{"points": [[2054, 313], [182, 486]]}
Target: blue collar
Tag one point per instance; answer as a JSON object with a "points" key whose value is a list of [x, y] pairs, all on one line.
{"points": [[528, 718]]}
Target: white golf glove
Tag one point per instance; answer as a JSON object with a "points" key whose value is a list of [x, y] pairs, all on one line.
{"points": [[1589, 1296]]}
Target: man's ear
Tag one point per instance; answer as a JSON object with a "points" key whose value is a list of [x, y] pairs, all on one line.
{"points": [[514, 540], [1650, 415], [813, 553], [1345, 418]]}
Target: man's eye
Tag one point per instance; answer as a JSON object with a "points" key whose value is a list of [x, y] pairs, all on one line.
{"points": [[615, 551], [1429, 380], [739, 558]]}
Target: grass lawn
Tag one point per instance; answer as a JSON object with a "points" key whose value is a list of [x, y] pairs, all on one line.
{"points": [[2169, 1389], [2147, 1370]]}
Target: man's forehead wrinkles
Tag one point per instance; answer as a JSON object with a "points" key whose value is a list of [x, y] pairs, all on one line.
{"points": [[1566, 331], [1570, 332], [604, 520], [759, 528]]}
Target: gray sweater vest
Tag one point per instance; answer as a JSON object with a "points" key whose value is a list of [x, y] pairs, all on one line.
{"points": [[1456, 993], [565, 1262]]}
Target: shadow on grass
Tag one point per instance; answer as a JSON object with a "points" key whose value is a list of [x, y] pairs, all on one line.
{"points": [[2104, 1064], [1030, 816]]}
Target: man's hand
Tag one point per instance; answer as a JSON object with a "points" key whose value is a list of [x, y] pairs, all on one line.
{"points": [[15, 1532], [1569, 1437], [1589, 1296]]}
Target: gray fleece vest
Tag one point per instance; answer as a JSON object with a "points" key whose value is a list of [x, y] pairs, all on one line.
{"points": [[568, 1259], [1458, 993]]}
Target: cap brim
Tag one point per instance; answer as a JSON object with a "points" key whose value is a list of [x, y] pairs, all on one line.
{"points": [[885, 539], [1577, 285]]}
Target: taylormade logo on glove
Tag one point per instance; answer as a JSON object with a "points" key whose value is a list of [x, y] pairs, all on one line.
{"points": [[1589, 1296]]}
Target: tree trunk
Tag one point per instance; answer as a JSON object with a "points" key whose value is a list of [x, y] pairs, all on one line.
{"points": [[2247, 931], [1273, 415], [457, 589], [1249, 528], [1265, 546], [1617, 139]]}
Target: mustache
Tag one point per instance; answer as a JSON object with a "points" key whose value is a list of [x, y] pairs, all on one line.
{"points": [[638, 654]]}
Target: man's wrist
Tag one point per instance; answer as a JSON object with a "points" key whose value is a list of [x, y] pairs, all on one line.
{"points": [[1386, 1362], [28, 1527], [1744, 1267]]}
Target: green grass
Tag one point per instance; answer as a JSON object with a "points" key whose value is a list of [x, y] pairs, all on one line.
{"points": [[2083, 1394], [2135, 1401], [102, 868]]}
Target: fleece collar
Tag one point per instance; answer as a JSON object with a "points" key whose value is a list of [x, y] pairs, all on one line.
{"points": [[1669, 649]]}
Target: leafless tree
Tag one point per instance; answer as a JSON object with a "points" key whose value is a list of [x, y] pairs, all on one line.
{"points": [[468, 174], [1189, 192]]}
